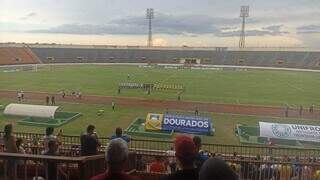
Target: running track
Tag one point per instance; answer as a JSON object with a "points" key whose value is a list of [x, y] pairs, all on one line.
{"points": [[173, 105]]}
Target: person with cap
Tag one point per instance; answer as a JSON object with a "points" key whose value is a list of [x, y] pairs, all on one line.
{"points": [[217, 169], [116, 157], [185, 154]]}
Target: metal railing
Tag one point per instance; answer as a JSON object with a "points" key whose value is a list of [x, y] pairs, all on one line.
{"points": [[73, 142]]}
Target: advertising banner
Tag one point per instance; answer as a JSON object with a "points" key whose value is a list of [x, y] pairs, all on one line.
{"points": [[290, 131], [178, 123], [187, 124]]}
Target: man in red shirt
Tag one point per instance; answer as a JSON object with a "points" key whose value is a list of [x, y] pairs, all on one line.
{"points": [[116, 156]]}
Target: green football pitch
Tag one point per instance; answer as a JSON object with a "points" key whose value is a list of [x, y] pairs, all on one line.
{"points": [[260, 87]]}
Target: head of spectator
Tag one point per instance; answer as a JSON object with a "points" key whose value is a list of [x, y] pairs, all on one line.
{"points": [[19, 142], [49, 131], [119, 132], [116, 155], [185, 152], [197, 143], [216, 169], [52, 146], [7, 131], [90, 129]]}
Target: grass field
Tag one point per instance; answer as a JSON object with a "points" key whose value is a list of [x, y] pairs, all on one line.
{"points": [[262, 87]]}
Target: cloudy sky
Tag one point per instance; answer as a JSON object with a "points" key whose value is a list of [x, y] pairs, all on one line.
{"points": [[272, 23]]}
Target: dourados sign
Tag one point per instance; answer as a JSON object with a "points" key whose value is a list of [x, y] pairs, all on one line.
{"points": [[178, 123]]}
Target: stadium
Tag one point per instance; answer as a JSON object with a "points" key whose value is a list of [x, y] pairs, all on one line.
{"points": [[256, 108]]}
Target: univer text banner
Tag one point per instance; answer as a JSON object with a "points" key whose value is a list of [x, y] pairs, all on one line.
{"points": [[290, 131]]}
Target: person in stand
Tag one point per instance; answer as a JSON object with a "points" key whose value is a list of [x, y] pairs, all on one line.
{"points": [[157, 166], [49, 137], [116, 157], [53, 100], [201, 157], [89, 142], [300, 110], [179, 97], [51, 167], [120, 135], [113, 105], [216, 169], [47, 100], [10, 147], [185, 155], [128, 77]]}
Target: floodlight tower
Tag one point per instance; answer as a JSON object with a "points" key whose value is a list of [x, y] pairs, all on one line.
{"points": [[150, 16], [244, 13]]}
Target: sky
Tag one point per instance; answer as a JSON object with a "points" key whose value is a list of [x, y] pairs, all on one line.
{"points": [[272, 23]]}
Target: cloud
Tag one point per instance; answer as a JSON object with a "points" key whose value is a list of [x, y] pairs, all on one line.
{"points": [[28, 16], [309, 29], [189, 25], [273, 30]]}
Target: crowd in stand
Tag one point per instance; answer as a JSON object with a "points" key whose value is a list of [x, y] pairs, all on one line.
{"points": [[185, 161]]}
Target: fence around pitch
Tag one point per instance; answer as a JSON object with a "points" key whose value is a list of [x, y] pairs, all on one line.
{"points": [[69, 141]]}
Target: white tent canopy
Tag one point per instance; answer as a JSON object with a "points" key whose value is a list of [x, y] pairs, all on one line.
{"points": [[31, 110]]}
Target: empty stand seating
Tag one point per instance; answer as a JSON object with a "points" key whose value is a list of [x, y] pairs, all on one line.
{"points": [[17, 55]]}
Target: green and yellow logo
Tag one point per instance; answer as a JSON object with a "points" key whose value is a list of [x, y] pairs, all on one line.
{"points": [[154, 122]]}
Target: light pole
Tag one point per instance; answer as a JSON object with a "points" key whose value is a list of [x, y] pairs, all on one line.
{"points": [[150, 16], [244, 13]]}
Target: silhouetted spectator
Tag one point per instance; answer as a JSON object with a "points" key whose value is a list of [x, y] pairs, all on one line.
{"points": [[51, 167], [185, 154], [49, 137], [300, 110], [120, 135], [89, 142], [10, 147], [216, 169], [201, 157], [116, 157], [19, 144], [157, 166]]}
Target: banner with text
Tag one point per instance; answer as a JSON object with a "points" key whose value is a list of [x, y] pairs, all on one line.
{"points": [[187, 124], [290, 131]]}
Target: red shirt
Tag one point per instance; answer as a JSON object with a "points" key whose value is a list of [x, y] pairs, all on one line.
{"points": [[116, 176], [157, 167]]}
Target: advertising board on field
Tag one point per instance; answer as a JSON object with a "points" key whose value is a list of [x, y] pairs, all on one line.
{"points": [[179, 123], [290, 131]]}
